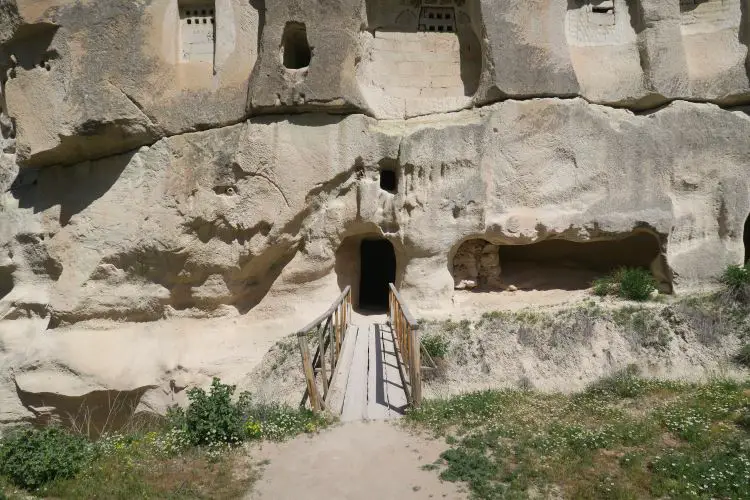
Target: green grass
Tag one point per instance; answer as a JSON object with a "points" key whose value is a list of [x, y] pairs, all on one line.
{"points": [[736, 280], [192, 453], [624, 437]]}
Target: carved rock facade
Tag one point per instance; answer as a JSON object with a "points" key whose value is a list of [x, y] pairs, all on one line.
{"points": [[201, 159]]}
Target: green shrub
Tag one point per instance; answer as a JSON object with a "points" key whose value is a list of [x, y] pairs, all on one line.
{"points": [[636, 284], [628, 283], [435, 345], [602, 286], [212, 417], [736, 279], [743, 357], [33, 458]]}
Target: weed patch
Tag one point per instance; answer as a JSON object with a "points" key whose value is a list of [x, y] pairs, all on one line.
{"points": [[194, 454], [516, 444]]}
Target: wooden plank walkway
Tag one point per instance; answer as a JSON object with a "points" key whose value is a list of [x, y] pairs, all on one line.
{"points": [[374, 389]]}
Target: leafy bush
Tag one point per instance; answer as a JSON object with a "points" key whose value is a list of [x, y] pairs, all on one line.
{"points": [[743, 357], [636, 284], [211, 417], [737, 281], [628, 283], [435, 345], [33, 458]]}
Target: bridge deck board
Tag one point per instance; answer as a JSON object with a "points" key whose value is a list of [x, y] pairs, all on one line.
{"points": [[374, 390]]}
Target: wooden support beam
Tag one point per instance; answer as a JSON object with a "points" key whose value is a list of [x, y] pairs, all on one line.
{"points": [[322, 357], [312, 389]]}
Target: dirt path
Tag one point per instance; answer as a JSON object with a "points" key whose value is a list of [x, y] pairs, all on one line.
{"points": [[357, 461]]}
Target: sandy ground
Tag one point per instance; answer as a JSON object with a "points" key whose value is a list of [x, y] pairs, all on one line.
{"points": [[359, 461]]}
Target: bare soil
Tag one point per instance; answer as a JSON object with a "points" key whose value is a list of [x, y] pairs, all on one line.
{"points": [[358, 461]]}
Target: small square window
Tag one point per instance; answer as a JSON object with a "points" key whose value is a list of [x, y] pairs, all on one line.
{"points": [[389, 181]]}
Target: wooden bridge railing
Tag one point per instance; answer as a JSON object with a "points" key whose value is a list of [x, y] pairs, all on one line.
{"points": [[408, 346], [331, 327]]}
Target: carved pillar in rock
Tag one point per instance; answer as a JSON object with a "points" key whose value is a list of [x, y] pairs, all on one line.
{"points": [[660, 44]]}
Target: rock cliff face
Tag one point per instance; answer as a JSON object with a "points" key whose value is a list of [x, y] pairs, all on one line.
{"points": [[228, 158]]}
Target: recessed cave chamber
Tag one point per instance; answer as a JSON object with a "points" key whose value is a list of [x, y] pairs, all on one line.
{"points": [[553, 264]]}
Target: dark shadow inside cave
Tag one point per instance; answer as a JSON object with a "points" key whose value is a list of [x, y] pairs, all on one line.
{"points": [[553, 264], [377, 270]]}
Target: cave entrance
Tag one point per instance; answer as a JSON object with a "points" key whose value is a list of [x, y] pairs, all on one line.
{"points": [[553, 264], [377, 270], [746, 239]]}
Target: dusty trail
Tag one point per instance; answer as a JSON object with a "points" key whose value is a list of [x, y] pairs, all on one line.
{"points": [[354, 461]]}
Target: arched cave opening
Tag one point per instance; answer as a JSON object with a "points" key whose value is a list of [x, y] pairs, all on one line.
{"points": [[377, 270], [296, 50], [746, 239], [553, 264]]}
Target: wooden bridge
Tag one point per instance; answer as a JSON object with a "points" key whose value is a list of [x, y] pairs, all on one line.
{"points": [[363, 367]]}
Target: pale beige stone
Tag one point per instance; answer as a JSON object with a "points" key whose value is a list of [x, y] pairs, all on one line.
{"points": [[149, 199]]}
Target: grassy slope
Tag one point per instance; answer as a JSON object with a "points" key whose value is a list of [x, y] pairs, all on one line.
{"points": [[625, 437]]}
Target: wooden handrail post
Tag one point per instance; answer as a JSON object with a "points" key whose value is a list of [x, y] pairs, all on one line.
{"points": [[323, 372], [415, 368], [312, 389], [337, 329]]}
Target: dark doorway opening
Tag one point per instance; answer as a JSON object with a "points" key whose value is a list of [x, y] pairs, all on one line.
{"points": [[388, 180], [746, 239], [378, 269]]}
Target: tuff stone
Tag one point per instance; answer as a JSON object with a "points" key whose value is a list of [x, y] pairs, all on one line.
{"points": [[186, 209]]}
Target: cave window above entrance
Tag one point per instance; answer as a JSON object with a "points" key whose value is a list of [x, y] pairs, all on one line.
{"points": [[377, 270], [296, 49]]}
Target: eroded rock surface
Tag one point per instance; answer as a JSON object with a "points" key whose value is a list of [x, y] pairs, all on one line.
{"points": [[223, 161]]}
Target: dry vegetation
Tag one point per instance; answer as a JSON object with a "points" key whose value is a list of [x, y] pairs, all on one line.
{"points": [[624, 437]]}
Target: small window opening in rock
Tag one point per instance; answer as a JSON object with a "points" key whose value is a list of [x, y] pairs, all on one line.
{"points": [[746, 239], [296, 50], [389, 180], [377, 270], [189, 21], [440, 19]]}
